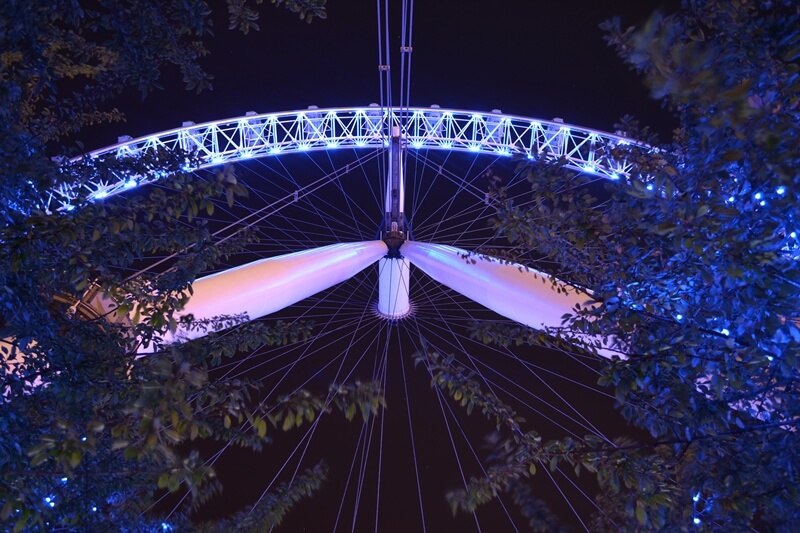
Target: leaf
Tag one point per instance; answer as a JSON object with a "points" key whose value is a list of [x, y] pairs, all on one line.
{"points": [[732, 155], [288, 421], [7, 509], [532, 469], [75, 458], [641, 513]]}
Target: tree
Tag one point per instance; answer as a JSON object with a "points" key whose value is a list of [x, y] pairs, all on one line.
{"points": [[89, 432], [693, 260]]}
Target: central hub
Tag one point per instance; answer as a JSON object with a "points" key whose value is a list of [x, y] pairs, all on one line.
{"points": [[393, 269]]}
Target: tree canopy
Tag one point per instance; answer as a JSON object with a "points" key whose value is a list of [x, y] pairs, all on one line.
{"points": [[693, 259], [91, 433]]}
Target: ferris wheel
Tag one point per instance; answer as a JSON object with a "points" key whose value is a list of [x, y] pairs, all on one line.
{"points": [[365, 222]]}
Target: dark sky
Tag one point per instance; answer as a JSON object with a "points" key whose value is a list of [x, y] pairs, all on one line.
{"points": [[538, 59]]}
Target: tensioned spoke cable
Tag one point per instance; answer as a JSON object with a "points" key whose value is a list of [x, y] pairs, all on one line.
{"points": [[586, 424], [564, 496], [270, 210], [411, 433], [461, 349], [384, 364], [443, 401]]}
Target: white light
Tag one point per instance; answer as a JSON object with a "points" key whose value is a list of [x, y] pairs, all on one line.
{"points": [[48, 499], [100, 194], [649, 186], [730, 199], [589, 168], [781, 190], [447, 145], [696, 497], [63, 480], [69, 207], [52, 504], [726, 333], [769, 358], [247, 155], [793, 235], [94, 509], [83, 439], [758, 196], [130, 184], [275, 150], [679, 317], [360, 143], [474, 148], [416, 144], [303, 147], [216, 160], [696, 521], [332, 145], [762, 203], [614, 176]]}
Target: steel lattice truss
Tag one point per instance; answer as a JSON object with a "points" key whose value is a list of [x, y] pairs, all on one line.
{"points": [[433, 128]]}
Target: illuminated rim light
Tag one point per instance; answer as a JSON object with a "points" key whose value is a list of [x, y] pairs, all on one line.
{"points": [[262, 135]]}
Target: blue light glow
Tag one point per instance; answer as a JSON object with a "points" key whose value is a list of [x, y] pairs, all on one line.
{"points": [[590, 168], [762, 203], [63, 480], [94, 509], [275, 150], [649, 186], [360, 143], [679, 317], [758, 196], [781, 190], [416, 144], [474, 148], [614, 176], [130, 184], [696, 497], [730, 199], [447, 145], [100, 194], [216, 160], [697, 521], [48, 499], [726, 333], [52, 504], [303, 147], [69, 207], [332, 145], [793, 235]]}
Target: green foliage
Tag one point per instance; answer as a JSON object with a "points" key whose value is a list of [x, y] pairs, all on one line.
{"points": [[91, 434], [694, 262]]}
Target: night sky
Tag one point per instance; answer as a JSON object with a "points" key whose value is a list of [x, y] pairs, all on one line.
{"points": [[537, 59]]}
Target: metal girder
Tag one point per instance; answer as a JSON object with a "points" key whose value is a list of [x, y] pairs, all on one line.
{"points": [[434, 128]]}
